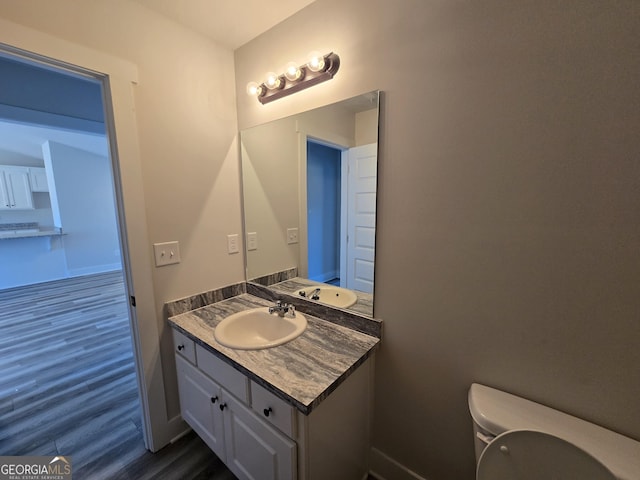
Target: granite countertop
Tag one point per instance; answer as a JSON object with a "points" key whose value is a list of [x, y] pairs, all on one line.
{"points": [[29, 233], [303, 371], [26, 230]]}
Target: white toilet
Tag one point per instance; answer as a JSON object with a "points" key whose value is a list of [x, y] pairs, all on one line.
{"points": [[517, 439]]}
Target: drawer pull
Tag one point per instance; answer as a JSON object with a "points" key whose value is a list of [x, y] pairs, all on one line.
{"points": [[223, 406], [180, 347], [267, 411], [214, 399]]}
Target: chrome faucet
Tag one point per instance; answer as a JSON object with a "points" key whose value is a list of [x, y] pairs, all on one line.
{"points": [[282, 309], [314, 295]]}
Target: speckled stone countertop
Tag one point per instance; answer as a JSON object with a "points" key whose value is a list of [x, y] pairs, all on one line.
{"points": [[303, 372]]}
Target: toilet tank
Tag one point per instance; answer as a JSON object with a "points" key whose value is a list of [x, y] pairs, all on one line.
{"points": [[495, 412]]}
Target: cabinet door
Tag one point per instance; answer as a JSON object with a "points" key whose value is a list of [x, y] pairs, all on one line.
{"points": [[5, 200], [255, 450], [19, 188], [199, 404], [38, 179]]}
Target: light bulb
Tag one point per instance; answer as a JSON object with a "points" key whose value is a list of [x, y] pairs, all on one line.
{"points": [[316, 62], [292, 72], [273, 81], [254, 89]]}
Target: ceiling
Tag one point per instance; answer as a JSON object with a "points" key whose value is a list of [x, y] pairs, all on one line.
{"points": [[230, 23], [21, 144]]}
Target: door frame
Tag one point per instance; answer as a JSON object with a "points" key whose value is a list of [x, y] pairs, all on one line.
{"points": [[118, 78]]}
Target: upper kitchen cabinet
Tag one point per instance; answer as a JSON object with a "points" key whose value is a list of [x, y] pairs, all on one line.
{"points": [[38, 179], [15, 188]]}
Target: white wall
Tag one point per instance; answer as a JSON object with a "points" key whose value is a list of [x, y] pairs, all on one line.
{"points": [[367, 127], [507, 246], [26, 261], [84, 208], [271, 168], [270, 189], [186, 123]]}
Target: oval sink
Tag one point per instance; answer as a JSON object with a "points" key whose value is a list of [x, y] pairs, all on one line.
{"points": [[257, 328], [329, 295]]}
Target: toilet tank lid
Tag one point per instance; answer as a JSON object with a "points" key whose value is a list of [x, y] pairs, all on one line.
{"points": [[497, 412]]}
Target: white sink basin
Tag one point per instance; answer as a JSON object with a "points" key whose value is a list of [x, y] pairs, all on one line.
{"points": [[257, 328], [329, 295]]}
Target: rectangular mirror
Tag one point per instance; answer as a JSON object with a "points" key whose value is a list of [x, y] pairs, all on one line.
{"points": [[309, 185]]}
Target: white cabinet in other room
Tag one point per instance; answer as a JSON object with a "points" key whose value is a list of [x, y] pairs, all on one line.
{"points": [[38, 177], [15, 189]]}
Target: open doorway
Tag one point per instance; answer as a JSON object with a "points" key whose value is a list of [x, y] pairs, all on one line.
{"points": [[340, 213], [70, 370], [323, 212]]}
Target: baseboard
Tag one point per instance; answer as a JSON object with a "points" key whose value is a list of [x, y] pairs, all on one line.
{"points": [[176, 428], [181, 434], [326, 276], [384, 467], [95, 269]]}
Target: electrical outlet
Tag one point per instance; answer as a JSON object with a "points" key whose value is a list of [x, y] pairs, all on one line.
{"points": [[252, 241], [166, 253], [292, 235], [232, 243]]}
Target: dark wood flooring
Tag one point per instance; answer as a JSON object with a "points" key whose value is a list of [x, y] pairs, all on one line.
{"points": [[68, 385]]}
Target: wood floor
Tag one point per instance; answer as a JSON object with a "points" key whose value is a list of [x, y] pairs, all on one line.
{"points": [[68, 386]]}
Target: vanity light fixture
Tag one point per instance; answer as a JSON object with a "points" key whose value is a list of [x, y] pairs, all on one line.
{"points": [[319, 68]]}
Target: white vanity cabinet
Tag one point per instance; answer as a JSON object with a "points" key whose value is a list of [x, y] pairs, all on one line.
{"points": [[260, 436], [15, 188], [199, 402], [249, 446]]}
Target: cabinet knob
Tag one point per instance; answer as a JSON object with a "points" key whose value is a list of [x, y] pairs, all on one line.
{"points": [[223, 406], [267, 411], [180, 347], [214, 399]]}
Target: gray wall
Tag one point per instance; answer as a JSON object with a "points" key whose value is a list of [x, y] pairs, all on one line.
{"points": [[507, 248]]}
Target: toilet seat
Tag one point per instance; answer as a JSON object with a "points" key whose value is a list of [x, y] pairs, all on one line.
{"points": [[534, 455]]}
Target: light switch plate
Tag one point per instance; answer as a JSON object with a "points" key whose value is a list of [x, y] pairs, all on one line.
{"points": [[292, 235], [166, 253], [233, 243], [252, 241]]}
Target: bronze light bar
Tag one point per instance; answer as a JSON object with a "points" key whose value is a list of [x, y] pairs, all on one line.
{"points": [[296, 80]]}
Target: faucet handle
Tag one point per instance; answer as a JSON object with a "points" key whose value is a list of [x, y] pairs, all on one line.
{"points": [[291, 309]]}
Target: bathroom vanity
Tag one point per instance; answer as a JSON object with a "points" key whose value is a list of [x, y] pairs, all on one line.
{"points": [[300, 410]]}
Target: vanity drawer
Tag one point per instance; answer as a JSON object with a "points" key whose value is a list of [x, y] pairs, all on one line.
{"points": [[228, 377], [273, 409], [184, 346]]}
